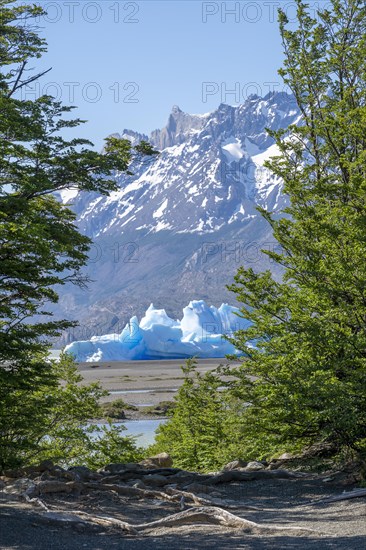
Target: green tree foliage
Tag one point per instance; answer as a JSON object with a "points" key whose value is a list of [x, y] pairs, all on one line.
{"points": [[40, 246], [57, 421], [197, 435], [306, 380]]}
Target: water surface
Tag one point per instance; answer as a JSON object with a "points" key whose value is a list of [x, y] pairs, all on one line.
{"points": [[144, 429]]}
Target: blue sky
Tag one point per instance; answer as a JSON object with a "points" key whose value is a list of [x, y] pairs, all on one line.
{"points": [[125, 64]]}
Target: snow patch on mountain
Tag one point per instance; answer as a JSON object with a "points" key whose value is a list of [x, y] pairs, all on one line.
{"points": [[160, 210], [66, 195], [232, 149], [185, 211]]}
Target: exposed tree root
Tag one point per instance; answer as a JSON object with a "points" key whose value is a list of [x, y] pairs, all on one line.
{"points": [[36, 501], [199, 500], [169, 494], [198, 516]]}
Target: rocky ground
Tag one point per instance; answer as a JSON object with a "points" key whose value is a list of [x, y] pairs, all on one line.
{"points": [[152, 505]]}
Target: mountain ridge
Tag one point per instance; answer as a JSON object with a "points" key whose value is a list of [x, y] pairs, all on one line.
{"points": [[181, 225]]}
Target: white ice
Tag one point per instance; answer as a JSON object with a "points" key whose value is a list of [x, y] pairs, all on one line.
{"points": [[199, 333]]}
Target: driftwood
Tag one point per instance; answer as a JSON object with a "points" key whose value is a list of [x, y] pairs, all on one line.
{"points": [[197, 516]]}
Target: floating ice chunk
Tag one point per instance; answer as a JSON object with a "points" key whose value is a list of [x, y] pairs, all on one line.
{"points": [[200, 333]]}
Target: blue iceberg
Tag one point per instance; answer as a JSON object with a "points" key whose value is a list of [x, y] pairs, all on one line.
{"points": [[199, 333]]}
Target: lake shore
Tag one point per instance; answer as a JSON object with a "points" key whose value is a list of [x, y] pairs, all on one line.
{"points": [[143, 384]]}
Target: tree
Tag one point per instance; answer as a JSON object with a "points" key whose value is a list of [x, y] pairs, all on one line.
{"points": [[305, 380], [197, 435], [57, 421], [40, 246]]}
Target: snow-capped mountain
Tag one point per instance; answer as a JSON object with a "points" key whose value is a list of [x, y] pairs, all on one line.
{"points": [[209, 174], [179, 228]]}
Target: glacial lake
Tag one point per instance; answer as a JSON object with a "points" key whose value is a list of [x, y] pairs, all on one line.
{"points": [[144, 429]]}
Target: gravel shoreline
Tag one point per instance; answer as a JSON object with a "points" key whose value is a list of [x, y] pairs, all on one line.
{"points": [[141, 383]]}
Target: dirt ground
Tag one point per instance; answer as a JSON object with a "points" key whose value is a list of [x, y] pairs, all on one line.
{"points": [[338, 525]]}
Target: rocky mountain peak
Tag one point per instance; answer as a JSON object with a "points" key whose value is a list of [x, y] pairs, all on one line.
{"points": [[176, 110], [208, 175], [178, 129]]}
